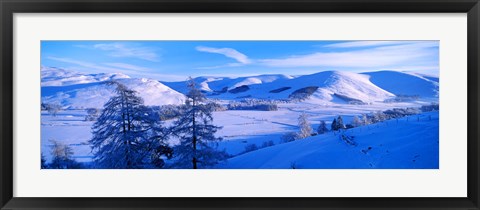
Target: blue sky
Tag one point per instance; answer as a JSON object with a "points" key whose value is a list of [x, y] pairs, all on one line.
{"points": [[176, 60]]}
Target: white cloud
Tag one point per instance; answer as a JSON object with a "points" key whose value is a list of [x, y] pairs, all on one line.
{"points": [[122, 50], [124, 68], [80, 63], [411, 53], [354, 44], [94, 68], [222, 66], [241, 58], [351, 44]]}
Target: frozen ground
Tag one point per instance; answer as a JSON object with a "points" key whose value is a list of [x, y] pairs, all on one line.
{"points": [[242, 128], [393, 144], [409, 142]]}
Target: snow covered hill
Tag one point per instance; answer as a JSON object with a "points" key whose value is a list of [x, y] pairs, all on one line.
{"points": [[52, 76], [224, 84], [78, 91], [410, 142], [408, 84], [322, 87]]}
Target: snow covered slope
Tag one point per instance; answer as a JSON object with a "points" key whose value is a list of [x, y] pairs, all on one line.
{"points": [[322, 87], [52, 76], [76, 91], [223, 84], [384, 145], [345, 85], [400, 83]]}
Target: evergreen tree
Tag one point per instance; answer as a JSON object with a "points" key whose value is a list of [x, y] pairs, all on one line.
{"points": [[340, 124], [334, 125], [127, 134], [198, 145], [337, 124], [322, 128], [43, 161], [305, 127]]}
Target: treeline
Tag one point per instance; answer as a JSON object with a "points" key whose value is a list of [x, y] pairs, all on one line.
{"points": [[306, 130], [253, 104]]}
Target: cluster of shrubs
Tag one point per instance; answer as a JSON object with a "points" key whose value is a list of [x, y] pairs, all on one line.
{"points": [[253, 104], [51, 108], [239, 89], [397, 112], [429, 108], [168, 112], [279, 90], [402, 98], [380, 116], [92, 114], [302, 93], [61, 157], [350, 100]]}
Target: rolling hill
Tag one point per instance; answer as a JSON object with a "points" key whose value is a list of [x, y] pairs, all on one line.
{"points": [[76, 90]]}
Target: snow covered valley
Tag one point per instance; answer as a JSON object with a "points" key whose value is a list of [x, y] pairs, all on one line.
{"points": [[255, 139], [408, 142]]}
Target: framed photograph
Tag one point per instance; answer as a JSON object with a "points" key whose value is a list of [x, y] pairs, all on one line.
{"points": [[239, 105]]}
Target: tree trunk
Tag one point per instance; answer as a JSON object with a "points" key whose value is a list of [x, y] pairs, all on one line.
{"points": [[194, 138], [194, 159]]}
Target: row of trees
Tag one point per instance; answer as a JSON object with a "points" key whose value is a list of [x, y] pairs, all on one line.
{"points": [[128, 134], [305, 128]]}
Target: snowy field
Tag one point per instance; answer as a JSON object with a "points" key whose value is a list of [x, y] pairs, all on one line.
{"points": [[410, 142], [254, 137], [406, 143]]}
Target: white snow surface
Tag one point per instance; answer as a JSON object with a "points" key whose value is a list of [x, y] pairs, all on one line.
{"points": [[410, 142], [90, 91], [404, 83], [52, 76], [212, 84], [365, 87], [403, 140]]}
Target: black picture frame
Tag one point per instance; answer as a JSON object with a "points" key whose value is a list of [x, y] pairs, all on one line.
{"points": [[10, 7]]}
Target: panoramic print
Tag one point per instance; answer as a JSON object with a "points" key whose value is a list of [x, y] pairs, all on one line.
{"points": [[239, 104]]}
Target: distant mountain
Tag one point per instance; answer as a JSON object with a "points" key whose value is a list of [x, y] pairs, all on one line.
{"points": [[77, 91], [223, 84], [52, 76], [322, 87]]}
